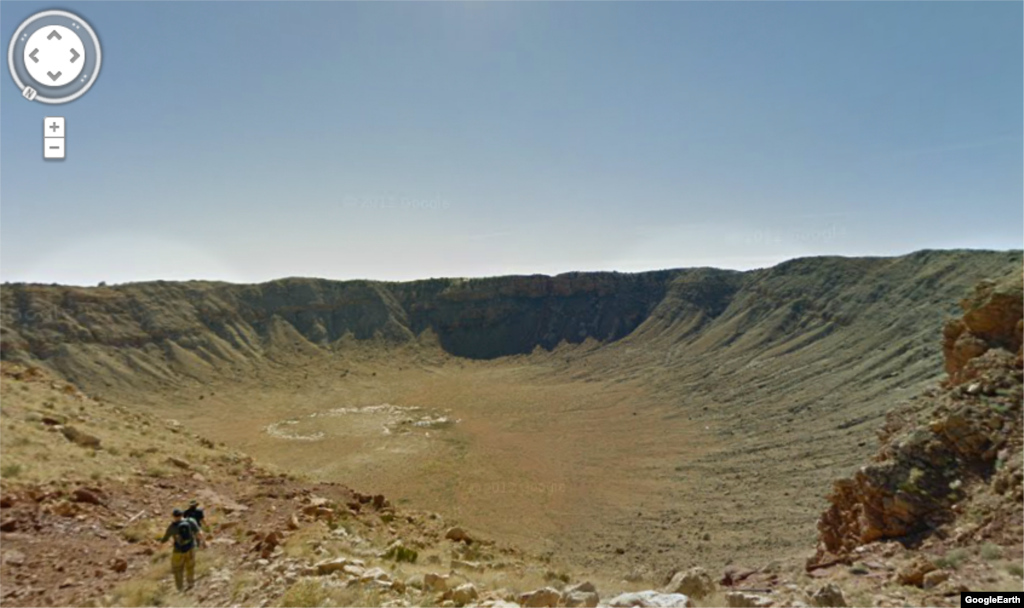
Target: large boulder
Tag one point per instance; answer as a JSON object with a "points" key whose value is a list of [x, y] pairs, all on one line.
{"points": [[695, 583], [435, 582], [464, 594], [547, 597], [650, 599]]}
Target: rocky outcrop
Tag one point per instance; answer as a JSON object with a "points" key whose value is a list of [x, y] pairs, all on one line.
{"points": [[951, 441], [991, 319]]}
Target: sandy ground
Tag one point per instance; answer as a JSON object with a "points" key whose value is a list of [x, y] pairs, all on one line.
{"points": [[600, 474]]}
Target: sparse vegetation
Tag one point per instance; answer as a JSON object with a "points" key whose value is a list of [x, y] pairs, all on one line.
{"points": [[139, 593], [401, 553], [952, 559], [306, 593], [990, 551]]}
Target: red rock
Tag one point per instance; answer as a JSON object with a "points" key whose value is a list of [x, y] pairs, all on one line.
{"points": [[735, 574], [91, 496]]}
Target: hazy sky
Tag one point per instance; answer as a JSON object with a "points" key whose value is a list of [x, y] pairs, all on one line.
{"points": [[247, 141]]}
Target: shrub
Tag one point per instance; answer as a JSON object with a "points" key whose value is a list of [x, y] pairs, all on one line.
{"points": [[952, 559], [307, 593], [401, 553], [10, 470], [991, 551], [139, 593]]}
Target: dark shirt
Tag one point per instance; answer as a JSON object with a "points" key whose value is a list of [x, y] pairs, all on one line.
{"points": [[195, 513], [172, 532]]}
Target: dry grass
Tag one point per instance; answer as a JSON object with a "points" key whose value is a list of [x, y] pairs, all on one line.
{"points": [[143, 529], [301, 543]]}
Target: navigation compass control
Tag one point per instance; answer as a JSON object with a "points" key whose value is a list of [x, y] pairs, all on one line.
{"points": [[54, 57]]}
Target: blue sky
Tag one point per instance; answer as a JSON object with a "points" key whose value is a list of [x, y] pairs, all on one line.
{"points": [[247, 141]]}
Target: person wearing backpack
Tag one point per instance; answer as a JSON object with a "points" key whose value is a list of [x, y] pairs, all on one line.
{"points": [[195, 513], [186, 535]]}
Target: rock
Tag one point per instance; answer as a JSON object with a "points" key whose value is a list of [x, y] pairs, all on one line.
{"points": [[547, 597], [435, 582], [829, 596], [6, 501], [458, 564], [734, 574], [739, 599], [585, 587], [118, 564], [457, 534], [293, 522], [584, 599], [914, 571], [178, 462], [354, 570], [64, 509], [265, 546], [8, 525], [695, 583], [650, 599], [14, 558], [80, 438], [464, 594], [375, 574], [934, 578], [91, 496], [329, 566], [318, 512]]}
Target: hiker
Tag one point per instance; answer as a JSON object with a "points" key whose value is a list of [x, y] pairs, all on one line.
{"points": [[194, 513], [185, 533]]}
